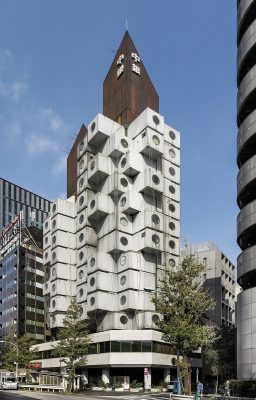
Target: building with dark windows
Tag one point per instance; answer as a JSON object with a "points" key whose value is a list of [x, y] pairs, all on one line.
{"points": [[246, 188], [21, 283], [14, 199]]}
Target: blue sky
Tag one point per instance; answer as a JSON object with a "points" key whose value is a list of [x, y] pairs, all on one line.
{"points": [[54, 55]]}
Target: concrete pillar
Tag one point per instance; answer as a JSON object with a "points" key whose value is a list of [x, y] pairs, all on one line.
{"points": [[167, 375], [147, 379], [84, 376], [105, 375]]}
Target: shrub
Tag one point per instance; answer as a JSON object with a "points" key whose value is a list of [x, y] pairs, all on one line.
{"points": [[135, 384], [246, 388]]}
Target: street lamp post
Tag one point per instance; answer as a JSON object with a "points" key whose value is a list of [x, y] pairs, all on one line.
{"points": [[17, 349]]}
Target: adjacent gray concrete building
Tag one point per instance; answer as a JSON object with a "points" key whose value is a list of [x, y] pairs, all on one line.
{"points": [[246, 188]]}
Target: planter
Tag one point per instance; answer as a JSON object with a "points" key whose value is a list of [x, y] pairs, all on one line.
{"points": [[155, 390], [119, 389], [180, 397], [108, 389], [97, 388], [136, 390]]}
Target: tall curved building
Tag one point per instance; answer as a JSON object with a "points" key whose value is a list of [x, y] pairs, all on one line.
{"points": [[246, 188]]}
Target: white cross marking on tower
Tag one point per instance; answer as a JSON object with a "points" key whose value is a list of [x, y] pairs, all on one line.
{"points": [[136, 57], [136, 69]]}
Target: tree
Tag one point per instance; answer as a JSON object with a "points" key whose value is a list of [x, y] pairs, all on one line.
{"points": [[182, 302], [23, 356], [73, 341]]}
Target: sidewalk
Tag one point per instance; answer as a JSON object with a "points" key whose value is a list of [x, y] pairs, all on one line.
{"points": [[48, 395]]}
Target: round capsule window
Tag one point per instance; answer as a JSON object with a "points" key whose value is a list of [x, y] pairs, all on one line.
{"points": [[93, 125], [172, 153], [155, 219], [123, 280], [54, 223], [172, 207], [123, 260], [172, 189], [53, 255], [155, 318], [123, 221], [92, 165], [45, 286], [123, 162], [53, 304], [123, 300], [81, 145], [81, 237], [172, 244], [156, 119], [81, 219], [92, 204], [123, 319], [92, 300], [123, 201], [81, 182], [124, 182], [54, 239], [46, 240], [92, 262], [53, 287], [46, 225], [81, 274], [124, 143], [54, 208], [81, 292], [155, 179], [46, 255], [81, 255], [155, 239], [172, 135], [171, 263], [124, 241], [172, 226], [156, 140], [81, 200], [92, 281], [53, 318], [81, 311], [81, 164], [53, 271], [171, 171]]}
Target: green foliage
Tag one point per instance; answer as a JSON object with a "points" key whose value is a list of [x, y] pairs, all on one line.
{"points": [[135, 384], [73, 341], [243, 388], [23, 356], [182, 301], [116, 382]]}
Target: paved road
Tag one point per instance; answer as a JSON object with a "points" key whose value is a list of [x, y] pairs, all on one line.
{"points": [[22, 395]]}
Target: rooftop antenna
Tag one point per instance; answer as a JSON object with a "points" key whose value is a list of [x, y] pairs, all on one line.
{"points": [[126, 24]]}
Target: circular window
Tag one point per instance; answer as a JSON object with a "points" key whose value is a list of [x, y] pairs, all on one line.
{"points": [[46, 225], [81, 164], [54, 223], [171, 262], [81, 219], [93, 125], [46, 286], [92, 281], [155, 318], [46, 255], [172, 171], [155, 239], [156, 140], [81, 182], [155, 179], [123, 162], [123, 202], [81, 274], [124, 240], [53, 271], [81, 255], [92, 300], [123, 319], [172, 207], [124, 182], [123, 260], [123, 221], [46, 240], [54, 208], [53, 255], [172, 226], [123, 280], [172, 153], [124, 143], [155, 219], [92, 262], [123, 300], [156, 119], [92, 165], [54, 240], [53, 287], [53, 304], [81, 237], [92, 204], [81, 292], [81, 145], [172, 135], [171, 189], [172, 244], [81, 200]]}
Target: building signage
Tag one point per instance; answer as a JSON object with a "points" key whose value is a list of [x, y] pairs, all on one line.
{"points": [[145, 371], [9, 235], [134, 65]]}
